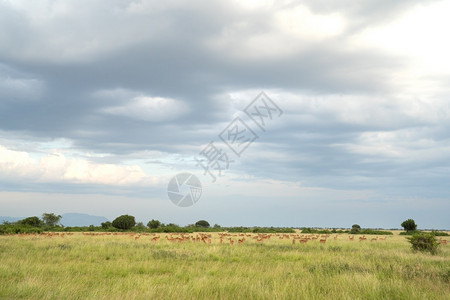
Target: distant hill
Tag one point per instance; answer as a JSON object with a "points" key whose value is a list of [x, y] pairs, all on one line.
{"points": [[68, 219], [9, 219], [77, 219]]}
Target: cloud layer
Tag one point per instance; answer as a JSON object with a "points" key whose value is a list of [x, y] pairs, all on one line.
{"points": [[138, 88]]}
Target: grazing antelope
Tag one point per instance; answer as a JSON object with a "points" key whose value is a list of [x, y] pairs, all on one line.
{"points": [[231, 242], [323, 241], [351, 238], [362, 238]]}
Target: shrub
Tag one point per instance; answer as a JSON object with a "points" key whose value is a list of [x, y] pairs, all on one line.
{"points": [[424, 242], [409, 232], [376, 232], [31, 221], [139, 227], [439, 233], [409, 225], [124, 222], [106, 225], [18, 228], [153, 224]]}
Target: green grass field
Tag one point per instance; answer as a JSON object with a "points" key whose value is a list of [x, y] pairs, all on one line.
{"points": [[111, 266]]}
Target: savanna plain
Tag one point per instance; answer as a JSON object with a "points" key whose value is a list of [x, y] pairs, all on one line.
{"points": [[219, 266]]}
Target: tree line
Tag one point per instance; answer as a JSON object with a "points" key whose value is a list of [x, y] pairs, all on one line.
{"points": [[51, 222]]}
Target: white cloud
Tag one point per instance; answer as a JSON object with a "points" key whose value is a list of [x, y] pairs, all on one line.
{"points": [[281, 32], [419, 35], [417, 41], [390, 111], [408, 146], [152, 109], [55, 167]]}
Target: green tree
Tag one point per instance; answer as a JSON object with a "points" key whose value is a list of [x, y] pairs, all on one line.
{"points": [[153, 224], [139, 227], [202, 223], [50, 219], [355, 228], [106, 225], [32, 221], [409, 225], [124, 222]]}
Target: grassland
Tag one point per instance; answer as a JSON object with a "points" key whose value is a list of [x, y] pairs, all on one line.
{"points": [[124, 266]]}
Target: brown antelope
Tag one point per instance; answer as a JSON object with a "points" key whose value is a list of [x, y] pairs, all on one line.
{"points": [[362, 238], [351, 238], [231, 242], [323, 241]]}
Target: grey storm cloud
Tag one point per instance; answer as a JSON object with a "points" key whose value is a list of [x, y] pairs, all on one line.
{"points": [[122, 77]]}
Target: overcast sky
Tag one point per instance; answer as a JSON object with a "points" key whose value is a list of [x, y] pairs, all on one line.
{"points": [[103, 102]]}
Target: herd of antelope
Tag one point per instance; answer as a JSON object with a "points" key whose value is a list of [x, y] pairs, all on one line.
{"points": [[230, 238]]}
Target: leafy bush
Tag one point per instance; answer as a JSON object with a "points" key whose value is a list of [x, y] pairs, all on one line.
{"points": [[425, 242], [139, 227], [410, 232], [409, 225], [434, 232], [106, 225], [124, 222], [32, 221], [153, 224], [18, 228], [439, 233]]}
